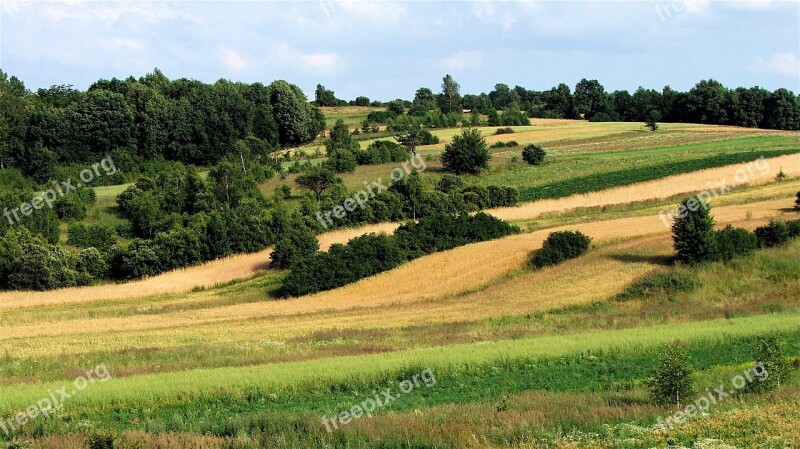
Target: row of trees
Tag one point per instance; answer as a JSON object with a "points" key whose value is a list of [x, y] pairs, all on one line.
{"points": [[696, 240], [183, 120], [707, 102], [313, 271]]}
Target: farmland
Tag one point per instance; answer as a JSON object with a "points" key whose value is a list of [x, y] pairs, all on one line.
{"points": [[213, 356]]}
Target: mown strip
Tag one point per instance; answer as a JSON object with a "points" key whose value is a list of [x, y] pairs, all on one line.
{"points": [[297, 376], [602, 181]]}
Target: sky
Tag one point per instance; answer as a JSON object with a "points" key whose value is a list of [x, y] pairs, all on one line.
{"points": [[388, 49]]}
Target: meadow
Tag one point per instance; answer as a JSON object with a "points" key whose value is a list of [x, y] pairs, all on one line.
{"points": [[212, 355]]}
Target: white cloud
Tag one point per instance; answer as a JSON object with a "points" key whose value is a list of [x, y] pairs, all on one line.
{"points": [[463, 60], [123, 43], [785, 64], [108, 12], [384, 11], [320, 61], [232, 59]]}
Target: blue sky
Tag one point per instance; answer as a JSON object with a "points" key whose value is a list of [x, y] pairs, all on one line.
{"points": [[388, 49]]}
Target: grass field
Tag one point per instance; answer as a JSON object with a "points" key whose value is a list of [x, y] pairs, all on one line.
{"points": [[211, 356]]}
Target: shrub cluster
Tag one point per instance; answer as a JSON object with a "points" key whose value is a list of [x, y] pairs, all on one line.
{"points": [[506, 130], [371, 254], [696, 241], [560, 246], [509, 144], [85, 236], [382, 152], [74, 205], [411, 198]]}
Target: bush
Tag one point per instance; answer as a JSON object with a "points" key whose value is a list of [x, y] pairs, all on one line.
{"points": [[70, 208], [139, 260], [297, 245], [772, 369], [509, 144], [467, 153], [797, 202], [382, 152], [85, 236], [92, 262], [671, 379], [793, 228], [660, 283], [560, 246], [732, 242], [693, 232], [774, 234], [506, 130], [533, 154]]}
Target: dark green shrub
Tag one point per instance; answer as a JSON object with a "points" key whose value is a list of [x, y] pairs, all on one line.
{"points": [[671, 380], [793, 227], [506, 130], [560, 246], [533, 154], [732, 242], [797, 201], [92, 262], [298, 244], [139, 260], [773, 234], [70, 208], [92, 235]]}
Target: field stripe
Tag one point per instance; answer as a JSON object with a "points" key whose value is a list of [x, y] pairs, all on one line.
{"points": [[280, 377]]}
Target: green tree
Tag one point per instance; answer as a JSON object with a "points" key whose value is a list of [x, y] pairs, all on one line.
{"points": [[300, 243], [533, 154], [591, 99], [324, 97], [467, 153], [772, 369], [450, 98], [671, 381], [294, 116], [707, 103], [361, 101], [652, 119], [693, 232], [318, 179]]}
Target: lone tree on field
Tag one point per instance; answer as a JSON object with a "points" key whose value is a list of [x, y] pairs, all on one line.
{"points": [[693, 232], [533, 154], [771, 370], [671, 380], [467, 153], [652, 120], [318, 179]]}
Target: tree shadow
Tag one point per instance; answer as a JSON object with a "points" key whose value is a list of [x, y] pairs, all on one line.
{"points": [[641, 258]]}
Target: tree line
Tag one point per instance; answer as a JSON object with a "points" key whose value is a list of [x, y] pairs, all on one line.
{"points": [[150, 117]]}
